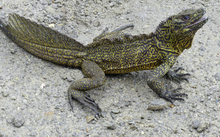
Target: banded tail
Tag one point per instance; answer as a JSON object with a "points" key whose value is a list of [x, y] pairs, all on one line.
{"points": [[43, 42]]}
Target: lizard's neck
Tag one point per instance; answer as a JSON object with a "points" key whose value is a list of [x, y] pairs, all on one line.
{"points": [[166, 40]]}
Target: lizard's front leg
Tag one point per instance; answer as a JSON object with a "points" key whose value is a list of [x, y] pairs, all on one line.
{"points": [[96, 78], [159, 88]]}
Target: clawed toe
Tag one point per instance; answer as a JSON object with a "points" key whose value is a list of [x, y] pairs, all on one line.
{"points": [[173, 96], [91, 101], [169, 98], [179, 88], [169, 95], [172, 75], [85, 100], [89, 98], [99, 115], [180, 75]]}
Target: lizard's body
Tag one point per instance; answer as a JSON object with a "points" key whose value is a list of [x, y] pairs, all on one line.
{"points": [[111, 53]]}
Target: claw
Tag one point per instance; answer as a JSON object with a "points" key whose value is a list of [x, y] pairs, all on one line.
{"points": [[168, 99], [89, 98], [183, 74], [85, 100], [186, 79], [91, 101], [179, 88], [179, 94], [176, 80], [177, 98], [99, 115], [169, 95], [173, 75], [70, 100], [180, 68]]}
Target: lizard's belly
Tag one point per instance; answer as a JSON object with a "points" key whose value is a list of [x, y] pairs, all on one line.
{"points": [[116, 68]]}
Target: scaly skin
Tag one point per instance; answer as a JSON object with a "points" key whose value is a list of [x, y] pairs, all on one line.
{"points": [[112, 53]]}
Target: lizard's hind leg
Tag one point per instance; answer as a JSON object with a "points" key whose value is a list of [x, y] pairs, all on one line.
{"points": [[96, 78]]}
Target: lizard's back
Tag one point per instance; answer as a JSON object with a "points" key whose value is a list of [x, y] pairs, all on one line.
{"points": [[131, 53]]}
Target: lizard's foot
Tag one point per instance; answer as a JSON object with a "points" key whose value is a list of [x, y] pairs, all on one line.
{"points": [[86, 100], [172, 74], [169, 95]]}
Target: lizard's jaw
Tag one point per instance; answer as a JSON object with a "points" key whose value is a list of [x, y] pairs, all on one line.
{"points": [[198, 23]]}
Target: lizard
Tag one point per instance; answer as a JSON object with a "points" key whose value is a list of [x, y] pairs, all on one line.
{"points": [[112, 52]]}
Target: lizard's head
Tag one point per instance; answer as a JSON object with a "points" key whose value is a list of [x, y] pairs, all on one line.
{"points": [[189, 21], [186, 22], [183, 25]]}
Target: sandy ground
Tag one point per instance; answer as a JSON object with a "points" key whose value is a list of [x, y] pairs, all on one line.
{"points": [[33, 100]]}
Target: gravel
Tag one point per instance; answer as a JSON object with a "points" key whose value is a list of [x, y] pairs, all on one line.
{"points": [[33, 99]]}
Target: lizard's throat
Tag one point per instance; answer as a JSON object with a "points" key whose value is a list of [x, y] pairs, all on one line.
{"points": [[185, 43]]}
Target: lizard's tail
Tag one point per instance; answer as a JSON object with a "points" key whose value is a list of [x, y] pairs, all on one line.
{"points": [[43, 41]]}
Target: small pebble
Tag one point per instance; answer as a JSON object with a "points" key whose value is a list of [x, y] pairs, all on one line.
{"points": [[157, 104], [127, 103], [217, 76], [195, 124], [171, 105], [203, 126], [112, 115], [5, 93], [51, 25], [116, 111], [111, 127], [13, 51], [13, 97], [89, 118], [18, 120]]}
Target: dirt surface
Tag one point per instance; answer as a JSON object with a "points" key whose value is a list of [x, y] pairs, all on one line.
{"points": [[33, 100]]}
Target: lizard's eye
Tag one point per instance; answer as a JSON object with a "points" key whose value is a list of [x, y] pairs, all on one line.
{"points": [[185, 18]]}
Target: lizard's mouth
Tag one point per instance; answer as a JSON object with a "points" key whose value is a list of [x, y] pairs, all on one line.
{"points": [[198, 22]]}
